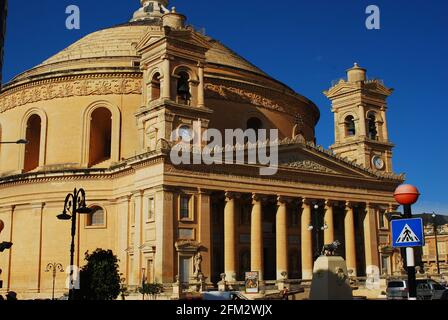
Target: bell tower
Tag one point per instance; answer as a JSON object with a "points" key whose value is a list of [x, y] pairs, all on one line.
{"points": [[359, 106], [173, 62]]}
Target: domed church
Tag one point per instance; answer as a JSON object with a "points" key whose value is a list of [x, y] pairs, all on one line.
{"points": [[99, 115]]}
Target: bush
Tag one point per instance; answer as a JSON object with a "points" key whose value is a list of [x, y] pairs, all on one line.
{"points": [[151, 289]]}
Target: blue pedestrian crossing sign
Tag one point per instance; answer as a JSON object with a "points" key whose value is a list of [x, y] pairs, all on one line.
{"points": [[408, 233]]}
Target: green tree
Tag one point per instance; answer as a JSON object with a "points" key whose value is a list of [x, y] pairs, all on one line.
{"points": [[151, 289], [99, 278]]}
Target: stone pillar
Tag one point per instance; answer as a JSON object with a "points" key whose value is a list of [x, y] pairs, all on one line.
{"points": [[282, 238], [229, 238], [166, 85], [205, 236], [350, 244], [307, 241], [362, 121], [384, 126], [201, 99], [256, 236], [329, 221], [164, 223], [371, 239], [138, 236]]}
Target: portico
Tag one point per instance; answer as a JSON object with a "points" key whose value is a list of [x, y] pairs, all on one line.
{"points": [[348, 212]]}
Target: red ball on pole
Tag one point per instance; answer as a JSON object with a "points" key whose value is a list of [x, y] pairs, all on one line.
{"points": [[406, 194], [2, 226]]}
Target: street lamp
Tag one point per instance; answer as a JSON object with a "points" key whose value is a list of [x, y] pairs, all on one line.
{"points": [[4, 245], [54, 267], [315, 227], [21, 141], [434, 223], [74, 203]]}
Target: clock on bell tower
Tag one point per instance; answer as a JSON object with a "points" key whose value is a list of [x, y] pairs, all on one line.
{"points": [[359, 106]]}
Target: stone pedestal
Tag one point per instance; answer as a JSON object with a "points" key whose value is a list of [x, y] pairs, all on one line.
{"points": [[177, 291], [330, 280], [282, 284], [222, 286]]}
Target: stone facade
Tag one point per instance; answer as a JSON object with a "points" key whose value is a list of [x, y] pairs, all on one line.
{"points": [[99, 116]]}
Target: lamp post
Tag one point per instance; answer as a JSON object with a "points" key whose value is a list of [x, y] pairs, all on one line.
{"points": [[315, 227], [74, 203], [4, 245], [54, 267], [21, 141], [407, 195], [434, 221]]}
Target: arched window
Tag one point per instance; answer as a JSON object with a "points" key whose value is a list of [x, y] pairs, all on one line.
{"points": [[155, 87], [183, 88], [96, 218], [100, 136], [32, 149], [254, 124], [350, 127], [371, 126]]}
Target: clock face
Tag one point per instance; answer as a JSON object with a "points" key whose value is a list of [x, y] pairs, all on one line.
{"points": [[378, 162]]}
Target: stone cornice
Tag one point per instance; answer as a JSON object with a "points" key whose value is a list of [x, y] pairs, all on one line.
{"points": [[71, 86]]}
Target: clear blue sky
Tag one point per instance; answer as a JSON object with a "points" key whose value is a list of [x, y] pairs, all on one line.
{"points": [[305, 44]]}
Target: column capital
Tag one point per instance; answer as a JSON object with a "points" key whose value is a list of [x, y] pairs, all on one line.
{"points": [[306, 202], [350, 204], [284, 200], [370, 205], [329, 203], [393, 207], [229, 195], [257, 197]]}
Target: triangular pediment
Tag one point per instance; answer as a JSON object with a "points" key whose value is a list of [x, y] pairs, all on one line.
{"points": [[309, 158], [340, 89], [372, 86], [187, 36]]}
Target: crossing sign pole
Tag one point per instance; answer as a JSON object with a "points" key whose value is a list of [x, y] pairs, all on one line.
{"points": [[410, 259], [407, 195]]}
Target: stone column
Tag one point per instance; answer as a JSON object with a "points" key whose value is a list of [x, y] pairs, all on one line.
{"points": [[350, 244], [205, 236], [165, 232], [384, 126], [371, 239], [138, 236], [329, 221], [166, 85], [229, 238], [307, 241], [281, 237], [362, 121], [201, 100], [256, 236]]}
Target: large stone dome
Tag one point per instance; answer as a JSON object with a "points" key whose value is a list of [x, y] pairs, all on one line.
{"points": [[109, 67], [118, 45]]}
